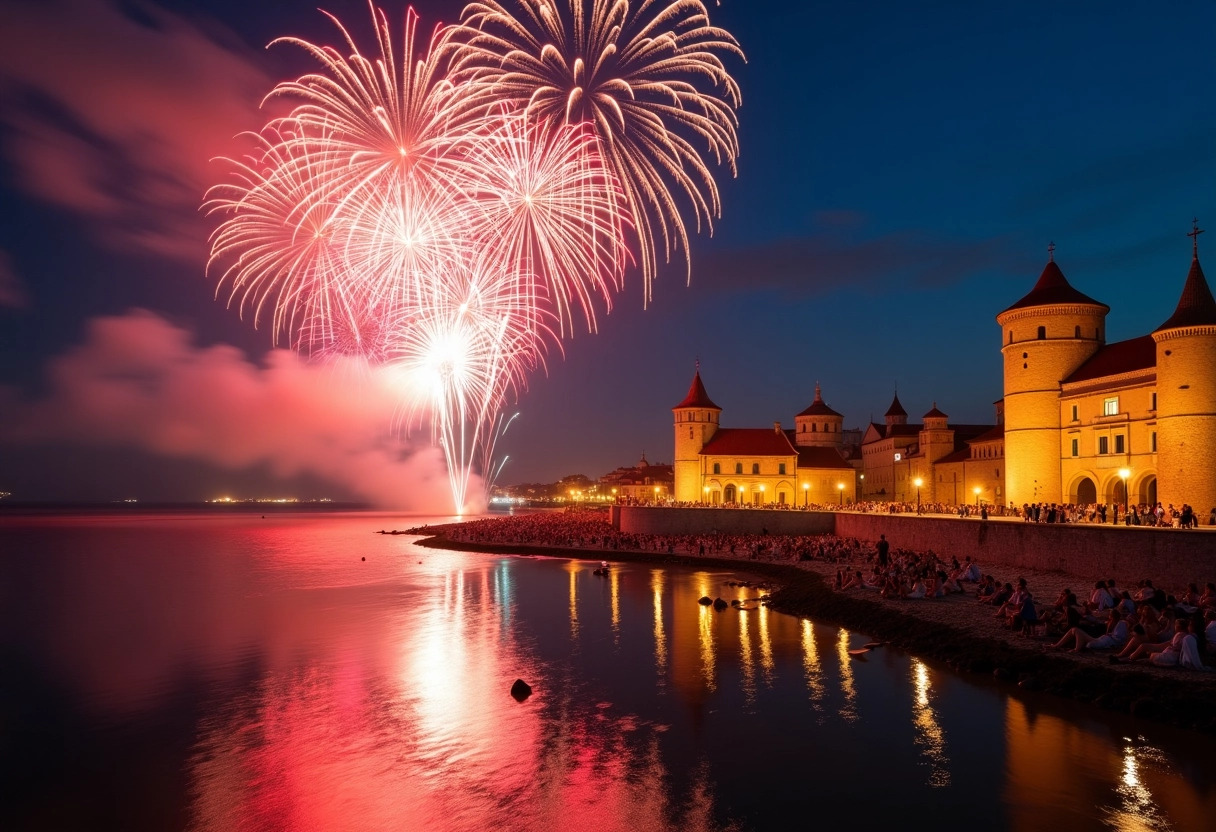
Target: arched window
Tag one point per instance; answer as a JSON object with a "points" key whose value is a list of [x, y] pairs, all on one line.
{"points": [[755, 467], [738, 467], [1042, 333], [717, 467]]}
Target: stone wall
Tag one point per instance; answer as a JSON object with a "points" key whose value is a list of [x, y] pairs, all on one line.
{"points": [[650, 520], [1172, 558]]}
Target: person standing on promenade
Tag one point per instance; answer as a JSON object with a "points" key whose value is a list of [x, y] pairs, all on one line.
{"points": [[884, 551]]}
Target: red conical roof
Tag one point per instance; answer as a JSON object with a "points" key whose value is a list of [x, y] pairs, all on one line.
{"points": [[697, 397], [1054, 288], [935, 413], [1196, 307]]}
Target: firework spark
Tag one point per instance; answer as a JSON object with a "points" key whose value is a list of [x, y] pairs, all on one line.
{"points": [[647, 75], [447, 221]]}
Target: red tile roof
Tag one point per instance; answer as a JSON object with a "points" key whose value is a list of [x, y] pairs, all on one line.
{"points": [[748, 442], [822, 457], [1196, 307], [1053, 288], [1119, 357], [697, 397]]}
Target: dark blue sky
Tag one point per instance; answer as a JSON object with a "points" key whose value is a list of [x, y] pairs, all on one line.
{"points": [[903, 168]]}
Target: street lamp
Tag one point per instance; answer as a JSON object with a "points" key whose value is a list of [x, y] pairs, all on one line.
{"points": [[761, 501], [1124, 473], [840, 488], [977, 494], [918, 482], [705, 490], [806, 494], [742, 489], [656, 495]]}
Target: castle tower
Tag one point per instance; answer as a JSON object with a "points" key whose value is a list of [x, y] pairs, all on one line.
{"points": [[1046, 335], [696, 421], [936, 441], [1186, 395], [896, 415], [819, 425]]}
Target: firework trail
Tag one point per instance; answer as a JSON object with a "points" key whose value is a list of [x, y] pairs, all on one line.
{"points": [[437, 215]]}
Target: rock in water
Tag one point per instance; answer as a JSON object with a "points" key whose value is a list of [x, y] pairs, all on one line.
{"points": [[521, 690], [720, 605], [705, 601]]}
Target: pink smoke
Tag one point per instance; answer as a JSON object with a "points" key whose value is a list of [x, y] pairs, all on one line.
{"points": [[138, 381]]}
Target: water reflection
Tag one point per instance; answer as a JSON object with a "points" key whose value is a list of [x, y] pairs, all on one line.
{"points": [[745, 660], [929, 734], [848, 710], [298, 687], [810, 665], [660, 638]]}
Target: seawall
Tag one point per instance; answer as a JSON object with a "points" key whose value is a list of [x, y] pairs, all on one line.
{"points": [[1171, 557]]}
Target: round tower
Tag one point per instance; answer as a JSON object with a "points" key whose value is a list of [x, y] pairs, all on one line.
{"points": [[696, 421], [1045, 336], [1186, 396], [819, 425]]}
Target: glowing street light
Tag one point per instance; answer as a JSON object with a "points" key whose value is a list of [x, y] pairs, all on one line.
{"points": [[918, 482], [806, 494], [761, 500], [840, 488], [656, 495], [705, 491], [977, 494], [742, 488]]}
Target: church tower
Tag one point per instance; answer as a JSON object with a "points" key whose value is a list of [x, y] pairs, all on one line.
{"points": [[896, 415], [819, 425], [696, 421], [1046, 335], [1186, 395]]}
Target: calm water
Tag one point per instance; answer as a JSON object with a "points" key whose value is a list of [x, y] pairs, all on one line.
{"points": [[237, 673]]}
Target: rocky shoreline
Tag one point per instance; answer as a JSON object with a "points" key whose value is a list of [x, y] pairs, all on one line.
{"points": [[954, 630]]}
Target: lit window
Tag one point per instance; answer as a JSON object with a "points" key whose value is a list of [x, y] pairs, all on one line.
{"points": [[1110, 407], [1103, 445]]}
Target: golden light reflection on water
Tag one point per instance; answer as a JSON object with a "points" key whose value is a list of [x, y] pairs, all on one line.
{"points": [[929, 734], [746, 662], [573, 569], [705, 633], [810, 665], [614, 578], [766, 647], [660, 637], [848, 709]]}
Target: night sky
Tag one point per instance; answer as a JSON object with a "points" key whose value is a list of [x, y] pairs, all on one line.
{"points": [[904, 167]]}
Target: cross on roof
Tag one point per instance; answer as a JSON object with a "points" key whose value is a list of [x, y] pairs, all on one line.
{"points": [[1051, 252], [1194, 235]]}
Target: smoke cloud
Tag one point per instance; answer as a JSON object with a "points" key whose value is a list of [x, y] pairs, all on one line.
{"points": [[138, 381]]}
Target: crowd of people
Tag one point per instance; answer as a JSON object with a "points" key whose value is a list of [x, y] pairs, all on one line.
{"points": [[1146, 623], [1184, 517]]}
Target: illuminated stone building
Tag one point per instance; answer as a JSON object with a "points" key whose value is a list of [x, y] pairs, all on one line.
{"points": [[717, 465], [1087, 421]]}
